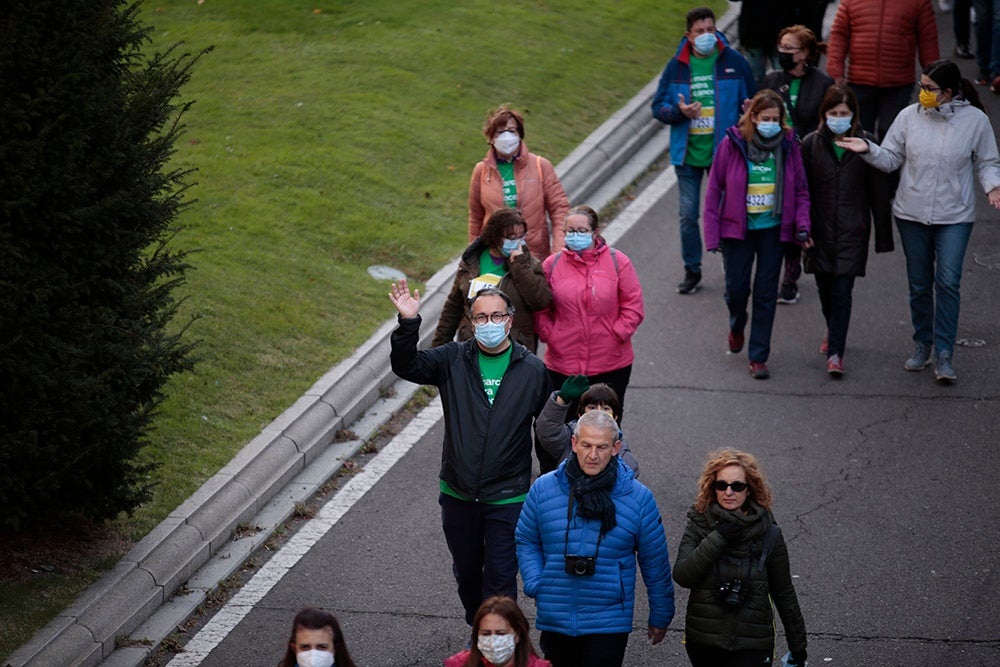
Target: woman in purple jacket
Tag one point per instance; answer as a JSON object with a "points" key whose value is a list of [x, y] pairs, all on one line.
{"points": [[757, 199]]}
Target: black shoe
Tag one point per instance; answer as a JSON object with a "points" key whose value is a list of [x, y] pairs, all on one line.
{"points": [[962, 51], [690, 283], [788, 293]]}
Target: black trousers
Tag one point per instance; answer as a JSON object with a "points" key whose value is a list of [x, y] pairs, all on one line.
{"points": [[835, 298], [604, 650], [707, 656], [483, 551]]}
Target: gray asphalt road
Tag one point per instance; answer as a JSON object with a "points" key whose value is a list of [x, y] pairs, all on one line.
{"points": [[885, 483]]}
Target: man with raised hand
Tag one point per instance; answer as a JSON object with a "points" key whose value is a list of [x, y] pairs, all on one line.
{"points": [[491, 390]]}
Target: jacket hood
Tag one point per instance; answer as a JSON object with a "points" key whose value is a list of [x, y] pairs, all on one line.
{"points": [[622, 484], [945, 111]]}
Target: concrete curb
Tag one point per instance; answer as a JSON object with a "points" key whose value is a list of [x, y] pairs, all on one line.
{"points": [[122, 617]]}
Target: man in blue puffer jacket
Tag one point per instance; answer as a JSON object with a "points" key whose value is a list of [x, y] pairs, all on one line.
{"points": [[580, 533], [701, 93]]}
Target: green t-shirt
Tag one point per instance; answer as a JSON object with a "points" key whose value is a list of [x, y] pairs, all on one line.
{"points": [[838, 151], [701, 130], [490, 273], [760, 194], [793, 91], [506, 170]]}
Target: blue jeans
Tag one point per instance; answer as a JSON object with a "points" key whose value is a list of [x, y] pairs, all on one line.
{"points": [[934, 256], [483, 551], [738, 257], [987, 37], [835, 298], [689, 194]]}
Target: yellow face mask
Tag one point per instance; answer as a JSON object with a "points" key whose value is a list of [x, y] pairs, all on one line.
{"points": [[929, 100]]}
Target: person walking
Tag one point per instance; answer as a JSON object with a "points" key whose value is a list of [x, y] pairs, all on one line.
{"points": [[316, 641], [700, 94], [510, 176], [501, 637], [596, 308], [757, 199], [498, 258], [581, 533], [880, 39], [802, 86], [491, 390], [734, 560], [941, 145], [845, 195]]}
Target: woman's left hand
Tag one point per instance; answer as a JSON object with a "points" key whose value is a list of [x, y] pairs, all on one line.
{"points": [[656, 635], [994, 197]]}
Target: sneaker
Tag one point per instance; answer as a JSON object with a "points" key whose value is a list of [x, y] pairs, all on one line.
{"points": [[824, 346], [981, 80], [962, 51], [921, 357], [735, 342], [995, 85], [788, 293], [943, 372], [835, 366], [690, 283], [758, 370]]}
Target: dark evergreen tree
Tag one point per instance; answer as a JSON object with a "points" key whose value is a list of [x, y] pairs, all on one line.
{"points": [[88, 202]]}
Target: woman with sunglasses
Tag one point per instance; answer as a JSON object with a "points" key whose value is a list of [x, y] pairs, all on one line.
{"points": [[733, 558], [940, 145], [498, 258]]}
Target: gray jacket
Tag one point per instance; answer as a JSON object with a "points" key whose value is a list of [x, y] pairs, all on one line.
{"points": [[553, 434], [938, 149]]}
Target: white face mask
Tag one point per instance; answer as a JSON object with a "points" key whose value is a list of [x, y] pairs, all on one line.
{"points": [[497, 649], [507, 142], [314, 658]]}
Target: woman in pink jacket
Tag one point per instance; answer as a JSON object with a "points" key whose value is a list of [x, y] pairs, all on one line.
{"points": [[512, 177], [596, 308], [500, 638], [757, 198]]}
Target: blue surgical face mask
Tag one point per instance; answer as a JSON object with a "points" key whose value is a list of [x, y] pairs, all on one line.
{"points": [[839, 124], [491, 334], [579, 240], [704, 43], [510, 245], [768, 128]]}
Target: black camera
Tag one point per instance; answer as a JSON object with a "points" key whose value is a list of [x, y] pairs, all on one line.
{"points": [[733, 594], [581, 566]]}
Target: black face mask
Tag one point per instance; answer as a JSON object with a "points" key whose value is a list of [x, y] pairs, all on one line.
{"points": [[786, 60]]}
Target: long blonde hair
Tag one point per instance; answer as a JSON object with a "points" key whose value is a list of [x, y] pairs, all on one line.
{"points": [[760, 493]]}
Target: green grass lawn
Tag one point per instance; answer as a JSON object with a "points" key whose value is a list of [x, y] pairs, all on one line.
{"points": [[330, 136]]}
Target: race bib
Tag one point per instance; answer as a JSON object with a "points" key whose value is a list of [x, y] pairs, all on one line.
{"points": [[482, 282], [760, 198], [704, 123]]}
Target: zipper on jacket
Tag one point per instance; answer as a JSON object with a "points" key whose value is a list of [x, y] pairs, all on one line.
{"points": [[489, 418]]}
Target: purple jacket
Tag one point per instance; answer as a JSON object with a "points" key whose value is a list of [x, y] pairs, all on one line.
{"points": [[726, 210]]}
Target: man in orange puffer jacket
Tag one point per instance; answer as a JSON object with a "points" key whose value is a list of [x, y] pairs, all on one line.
{"points": [[880, 38]]}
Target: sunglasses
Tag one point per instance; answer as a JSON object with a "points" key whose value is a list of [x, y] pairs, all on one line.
{"points": [[721, 485]]}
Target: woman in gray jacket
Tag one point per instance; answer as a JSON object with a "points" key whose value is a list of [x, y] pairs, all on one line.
{"points": [[938, 144]]}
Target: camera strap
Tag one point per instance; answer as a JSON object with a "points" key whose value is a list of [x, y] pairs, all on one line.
{"points": [[569, 519]]}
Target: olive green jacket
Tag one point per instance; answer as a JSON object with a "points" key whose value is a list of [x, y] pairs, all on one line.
{"points": [[705, 562]]}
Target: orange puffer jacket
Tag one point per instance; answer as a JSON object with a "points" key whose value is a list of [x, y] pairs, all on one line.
{"points": [[538, 192], [881, 38]]}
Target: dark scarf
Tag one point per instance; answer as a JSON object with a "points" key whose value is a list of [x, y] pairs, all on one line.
{"points": [[753, 524], [758, 150], [593, 494]]}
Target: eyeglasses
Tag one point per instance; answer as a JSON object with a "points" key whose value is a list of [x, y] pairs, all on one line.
{"points": [[721, 485], [930, 89], [789, 49], [495, 318]]}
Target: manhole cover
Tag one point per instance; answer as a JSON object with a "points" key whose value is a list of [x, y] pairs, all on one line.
{"points": [[971, 342], [379, 272]]}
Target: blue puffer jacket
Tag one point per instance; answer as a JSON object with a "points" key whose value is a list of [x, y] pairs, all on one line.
{"points": [[602, 603], [734, 83]]}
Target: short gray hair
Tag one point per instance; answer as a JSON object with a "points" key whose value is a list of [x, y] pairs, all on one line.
{"points": [[598, 419]]}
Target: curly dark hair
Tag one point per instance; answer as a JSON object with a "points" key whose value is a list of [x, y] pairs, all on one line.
{"points": [[501, 223]]}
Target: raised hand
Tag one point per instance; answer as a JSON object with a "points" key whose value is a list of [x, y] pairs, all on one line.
{"points": [[854, 144], [407, 304]]}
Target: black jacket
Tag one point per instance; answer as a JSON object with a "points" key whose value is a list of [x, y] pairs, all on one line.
{"points": [[845, 197], [805, 114], [705, 562], [487, 448]]}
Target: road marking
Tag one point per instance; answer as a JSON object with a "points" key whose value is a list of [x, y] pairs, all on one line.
{"points": [[220, 625], [650, 195]]}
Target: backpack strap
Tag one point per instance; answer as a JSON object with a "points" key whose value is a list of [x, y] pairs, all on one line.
{"points": [[552, 267], [770, 538]]}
